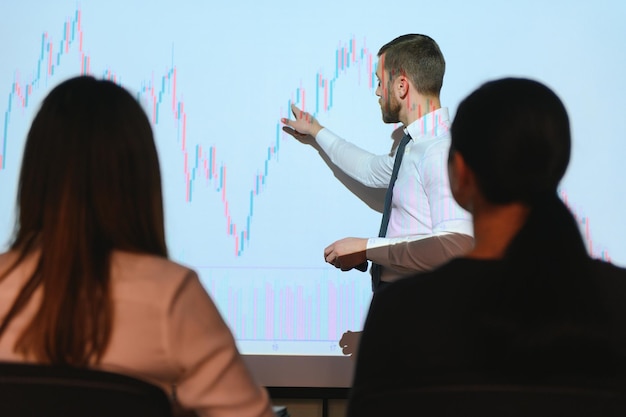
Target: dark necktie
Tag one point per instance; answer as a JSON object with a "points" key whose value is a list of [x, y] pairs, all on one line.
{"points": [[376, 269]]}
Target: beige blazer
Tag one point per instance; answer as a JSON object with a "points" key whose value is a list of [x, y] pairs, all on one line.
{"points": [[166, 330]]}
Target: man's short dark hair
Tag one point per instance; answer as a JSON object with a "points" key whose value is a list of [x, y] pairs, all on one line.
{"points": [[419, 58]]}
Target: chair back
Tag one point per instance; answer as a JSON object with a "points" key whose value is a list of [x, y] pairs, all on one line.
{"points": [[51, 391]]}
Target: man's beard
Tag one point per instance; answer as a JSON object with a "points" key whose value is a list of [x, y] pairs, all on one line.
{"points": [[391, 110]]}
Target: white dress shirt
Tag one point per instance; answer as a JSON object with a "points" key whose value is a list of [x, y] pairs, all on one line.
{"points": [[422, 205]]}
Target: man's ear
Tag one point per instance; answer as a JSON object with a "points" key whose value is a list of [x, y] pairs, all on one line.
{"points": [[401, 86]]}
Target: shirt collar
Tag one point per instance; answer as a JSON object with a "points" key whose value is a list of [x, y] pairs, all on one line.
{"points": [[430, 125]]}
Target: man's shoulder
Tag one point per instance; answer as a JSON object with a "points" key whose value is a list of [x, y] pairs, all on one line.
{"points": [[435, 146]]}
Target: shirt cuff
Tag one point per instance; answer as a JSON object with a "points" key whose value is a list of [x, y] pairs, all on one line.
{"points": [[325, 138]]}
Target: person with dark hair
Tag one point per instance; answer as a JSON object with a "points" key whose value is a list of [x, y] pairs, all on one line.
{"points": [[527, 303], [422, 226], [87, 282]]}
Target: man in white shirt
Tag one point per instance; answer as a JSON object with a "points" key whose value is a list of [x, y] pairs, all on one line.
{"points": [[423, 226]]}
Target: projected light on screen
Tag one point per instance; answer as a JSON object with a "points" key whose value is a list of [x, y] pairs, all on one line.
{"points": [[272, 309], [201, 164], [275, 310], [249, 207], [49, 59]]}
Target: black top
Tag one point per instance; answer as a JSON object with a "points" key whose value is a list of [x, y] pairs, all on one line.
{"points": [[544, 313], [479, 320]]}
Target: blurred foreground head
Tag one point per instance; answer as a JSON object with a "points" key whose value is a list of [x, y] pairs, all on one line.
{"points": [[514, 135]]}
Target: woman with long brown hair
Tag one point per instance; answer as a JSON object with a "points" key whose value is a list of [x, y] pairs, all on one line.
{"points": [[86, 281]]}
